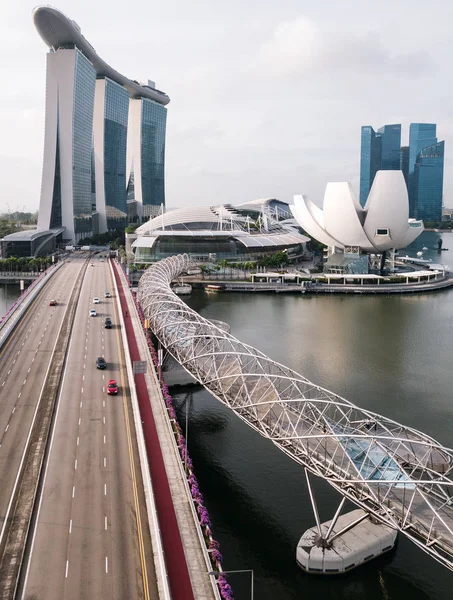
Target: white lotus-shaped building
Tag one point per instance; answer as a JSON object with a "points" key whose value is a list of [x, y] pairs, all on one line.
{"points": [[383, 224]]}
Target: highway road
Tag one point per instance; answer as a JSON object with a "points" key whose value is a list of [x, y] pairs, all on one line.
{"points": [[24, 361], [90, 538]]}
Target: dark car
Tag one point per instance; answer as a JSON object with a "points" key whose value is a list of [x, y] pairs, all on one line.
{"points": [[53, 303], [100, 363], [108, 323]]}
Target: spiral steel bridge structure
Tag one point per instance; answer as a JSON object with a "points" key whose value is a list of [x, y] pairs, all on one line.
{"points": [[398, 474]]}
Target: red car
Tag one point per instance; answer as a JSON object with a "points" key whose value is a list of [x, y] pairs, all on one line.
{"points": [[112, 388], [53, 303]]}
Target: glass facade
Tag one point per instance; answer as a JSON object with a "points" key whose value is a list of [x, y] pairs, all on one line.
{"points": [[370, 160], [404, 163], [153, 126], [428, 178], [390, 138], [56, 215], [380, 151], [421, 135], [116, 112], [82, 133]]}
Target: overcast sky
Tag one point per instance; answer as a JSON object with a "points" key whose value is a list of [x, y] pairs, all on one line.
{"points": [[267, 98]]}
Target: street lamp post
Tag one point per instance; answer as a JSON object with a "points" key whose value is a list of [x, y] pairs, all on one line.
{"points": [[217, 573]]}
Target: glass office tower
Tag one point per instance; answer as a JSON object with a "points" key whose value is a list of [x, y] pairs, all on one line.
{"points": [[421, 135], [370, 160], [428, 182], [110, 142], [380, 151]]}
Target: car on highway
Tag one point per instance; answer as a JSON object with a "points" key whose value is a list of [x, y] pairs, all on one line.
{"points": [[101, 363], [53, 303], [107, 295], [93, 313], [95, 300], [108, 323], [112, 387]]}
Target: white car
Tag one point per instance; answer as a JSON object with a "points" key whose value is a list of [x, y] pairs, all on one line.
{"points": [[107, 295], [93, 313], [95, 300]]}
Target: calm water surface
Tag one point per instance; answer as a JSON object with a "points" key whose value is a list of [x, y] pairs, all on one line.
{"points": [[392, 355], [8, 295]]}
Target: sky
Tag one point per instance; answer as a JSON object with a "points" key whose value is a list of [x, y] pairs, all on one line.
{"points": [[267, 98]]}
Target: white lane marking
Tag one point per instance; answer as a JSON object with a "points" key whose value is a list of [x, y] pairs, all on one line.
{"points": [[105, 462], [104, 439], [105, 522], [103, 388], [82, 390], [103, 376], [84, 366], [70, 526], [67, 567], [81, 403], [9, 372], [75, 464], [79, 420], [3, 384], [103, 403], [7, 427], [106, 564], [33, 359], [14, 361], [83, 377], [73, 491], [20, 394], [105, 489], [14, 409], [29, 369], [25, 381], [104, 420], [85, 357]]}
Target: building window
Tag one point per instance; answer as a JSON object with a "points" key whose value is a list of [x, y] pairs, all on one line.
{"points": [[382, 231]]}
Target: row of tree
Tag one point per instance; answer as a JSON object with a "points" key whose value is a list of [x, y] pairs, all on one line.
{"points": [[24, 265]]}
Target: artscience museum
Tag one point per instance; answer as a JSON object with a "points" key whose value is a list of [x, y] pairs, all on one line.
{"points": [[359, 239]]}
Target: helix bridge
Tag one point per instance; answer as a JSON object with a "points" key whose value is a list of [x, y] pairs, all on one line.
{"points": [[398, 475]]}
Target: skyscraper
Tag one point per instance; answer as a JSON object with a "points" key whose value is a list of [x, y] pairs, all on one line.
{"points": [[428, 182], [111, 111], [66, 177], [421, 137], [380, 151], [146, 155], [88, 109]]}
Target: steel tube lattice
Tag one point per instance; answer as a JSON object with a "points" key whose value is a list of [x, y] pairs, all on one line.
{"points": [[397, 473]]}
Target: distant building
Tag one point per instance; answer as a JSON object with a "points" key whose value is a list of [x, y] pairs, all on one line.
{"points": [[359, 238], [425, 172], [380, 151], [93, 113], [428, 182], [422, 164], [146, 156]]}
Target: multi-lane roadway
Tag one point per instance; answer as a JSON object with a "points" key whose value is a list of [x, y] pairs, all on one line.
{"points": [[90, 535]]}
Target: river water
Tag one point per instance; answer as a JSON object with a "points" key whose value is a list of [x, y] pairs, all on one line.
{"points": [[391, 354], [8, 295]]}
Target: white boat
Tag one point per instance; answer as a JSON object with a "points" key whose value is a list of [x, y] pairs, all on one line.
{"points": [[182, 289]]}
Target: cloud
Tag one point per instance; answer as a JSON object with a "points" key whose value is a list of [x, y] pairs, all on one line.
{"points": [[301, 48]]}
